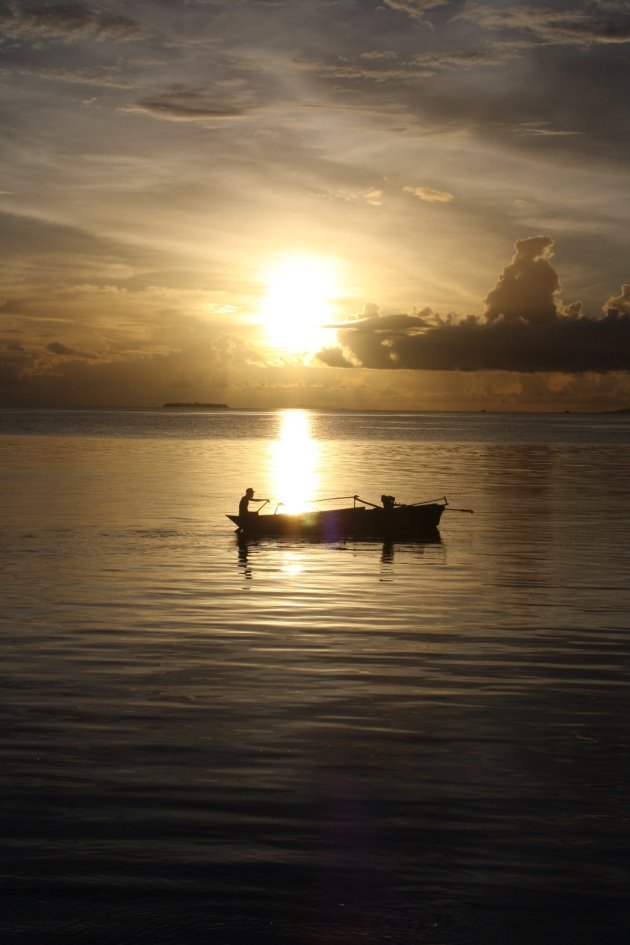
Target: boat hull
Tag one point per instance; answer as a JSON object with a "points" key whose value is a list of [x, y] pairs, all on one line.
{"points": [[401, 521]]}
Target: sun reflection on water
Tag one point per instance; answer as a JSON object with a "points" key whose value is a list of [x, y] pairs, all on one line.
{"points": [[295, 462], [291, 565]]}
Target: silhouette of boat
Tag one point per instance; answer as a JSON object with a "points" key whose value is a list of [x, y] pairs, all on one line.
{"points": [[361, 520]]}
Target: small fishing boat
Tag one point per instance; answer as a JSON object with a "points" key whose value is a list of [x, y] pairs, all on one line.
{"points": [[361, 520]]}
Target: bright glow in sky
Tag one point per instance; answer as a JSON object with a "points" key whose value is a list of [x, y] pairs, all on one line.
{"points": [[298, 302], [452, 156]]}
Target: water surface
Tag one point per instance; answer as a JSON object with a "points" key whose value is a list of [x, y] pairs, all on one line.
{"points": [[208, 740]]}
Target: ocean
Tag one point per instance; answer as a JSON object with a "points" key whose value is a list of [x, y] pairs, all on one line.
{"points": [[209, 740]]}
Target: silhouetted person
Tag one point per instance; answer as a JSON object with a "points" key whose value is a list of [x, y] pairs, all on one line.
{"points": [[243, 505], [388, 502]]}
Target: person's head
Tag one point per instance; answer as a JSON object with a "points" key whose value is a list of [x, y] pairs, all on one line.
{"points": [[249, 492]]}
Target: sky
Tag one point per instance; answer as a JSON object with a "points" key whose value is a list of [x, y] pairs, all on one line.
{"points": [[383, 204]]}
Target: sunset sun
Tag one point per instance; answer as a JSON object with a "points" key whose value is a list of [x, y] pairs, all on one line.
{"points": [[298, 302]]}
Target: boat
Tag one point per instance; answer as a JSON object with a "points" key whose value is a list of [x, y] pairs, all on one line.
{"points": [[361, 520]]}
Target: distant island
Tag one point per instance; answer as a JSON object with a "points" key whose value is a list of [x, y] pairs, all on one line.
{"points": [[178, 406]]}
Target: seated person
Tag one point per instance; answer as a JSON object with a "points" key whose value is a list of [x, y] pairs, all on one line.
{"points": [[243, 505]]}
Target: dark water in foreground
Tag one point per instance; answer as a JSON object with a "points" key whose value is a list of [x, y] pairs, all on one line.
{"points": [[357, 742]]}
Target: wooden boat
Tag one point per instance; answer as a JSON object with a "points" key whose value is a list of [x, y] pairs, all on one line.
{"points": [[361, 520]]}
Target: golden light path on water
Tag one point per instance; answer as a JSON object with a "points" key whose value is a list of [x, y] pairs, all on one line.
{"points": [[295, 459]]}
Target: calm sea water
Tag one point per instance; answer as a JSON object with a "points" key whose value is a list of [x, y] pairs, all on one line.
{"points": [[298, 742]]}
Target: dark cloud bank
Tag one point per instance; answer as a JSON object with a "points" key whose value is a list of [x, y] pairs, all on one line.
{"points": [[526, 327], [69, 20]]}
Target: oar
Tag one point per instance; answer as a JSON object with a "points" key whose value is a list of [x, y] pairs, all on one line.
{"points": [[432, 501], [447, 507], [333, 498]]}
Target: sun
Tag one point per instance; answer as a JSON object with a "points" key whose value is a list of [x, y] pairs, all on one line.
{"points": [[299, 302]]}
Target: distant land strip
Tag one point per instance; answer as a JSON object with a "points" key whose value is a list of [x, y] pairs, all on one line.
{"points": [[196, 404]]}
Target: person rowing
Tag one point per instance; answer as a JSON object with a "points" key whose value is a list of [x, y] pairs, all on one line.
{"points": [[243, 505]]}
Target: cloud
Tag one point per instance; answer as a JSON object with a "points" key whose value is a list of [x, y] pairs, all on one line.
{"points": [[384, 323], [416, 9], [335, 358], [194, 373], [30, 236], [619, 304], [14, 361], [364, 69], [63, 21], [59, 254], [190, 105], [99, 78], [552, 27], [429, 194], [388, 66], [498, 55], [542, 129], [525, 328], [528, 287], [58, 348]]}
